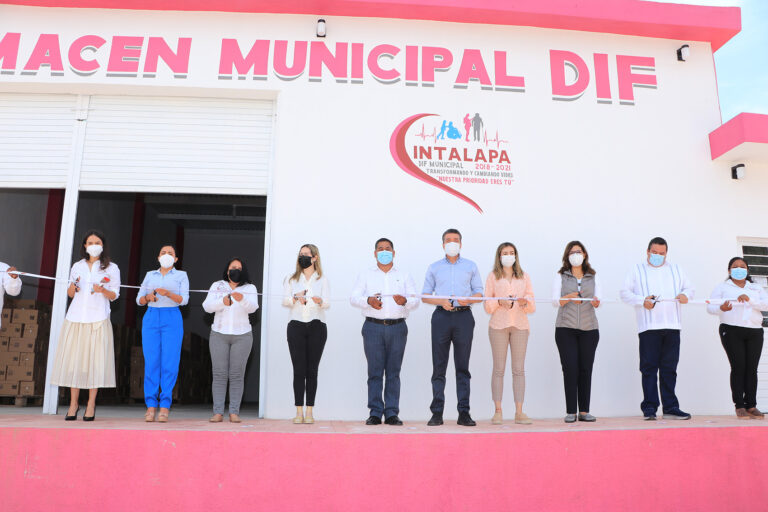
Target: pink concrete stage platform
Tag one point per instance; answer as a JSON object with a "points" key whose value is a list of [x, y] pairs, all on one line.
{"points": [[119, 462]]}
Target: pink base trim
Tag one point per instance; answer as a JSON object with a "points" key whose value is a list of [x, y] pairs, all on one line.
{"points": [[660, 469]]}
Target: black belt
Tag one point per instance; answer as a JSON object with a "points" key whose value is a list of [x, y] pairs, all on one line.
{"points": [[385, 321], [456, 309]]}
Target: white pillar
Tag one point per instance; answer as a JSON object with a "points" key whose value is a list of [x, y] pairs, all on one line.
{"points": [[64, 260]]}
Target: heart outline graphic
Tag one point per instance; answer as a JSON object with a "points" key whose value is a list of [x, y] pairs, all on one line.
{"points": [[403, 160]]}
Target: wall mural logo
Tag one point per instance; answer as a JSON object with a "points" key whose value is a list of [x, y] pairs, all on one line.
{"points": [[446, 152]]}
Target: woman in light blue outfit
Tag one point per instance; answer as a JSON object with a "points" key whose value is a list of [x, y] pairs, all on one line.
{"points": [[162, 330]]}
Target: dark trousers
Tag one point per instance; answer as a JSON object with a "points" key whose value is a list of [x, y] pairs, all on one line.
{"points": [[577, 355], [451, 328], [743, 345], [659, 353], [306, 341], [384, 349]]}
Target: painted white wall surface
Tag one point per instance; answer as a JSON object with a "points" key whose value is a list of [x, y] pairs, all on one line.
{"points": [[610, 175]]}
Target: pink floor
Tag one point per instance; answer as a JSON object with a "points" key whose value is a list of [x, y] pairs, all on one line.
{"points": [[617, 464]]}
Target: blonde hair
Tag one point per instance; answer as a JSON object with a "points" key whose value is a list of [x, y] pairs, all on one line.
{"points": [[315, 252], [498, 269]]}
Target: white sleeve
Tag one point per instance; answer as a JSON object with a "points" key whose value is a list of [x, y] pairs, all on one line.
{"points": [[717, 294], [359, 298], [688, 289], [10, 285], [113, 272], [250, 300], [628, 294], [287, 293], [214, 301], [325, 294]]}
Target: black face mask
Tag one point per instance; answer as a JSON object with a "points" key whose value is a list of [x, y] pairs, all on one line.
{"points": [[235, 274], [305, 261]]}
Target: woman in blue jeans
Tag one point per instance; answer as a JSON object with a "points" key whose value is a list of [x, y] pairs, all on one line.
{"points": [[163, 291]]}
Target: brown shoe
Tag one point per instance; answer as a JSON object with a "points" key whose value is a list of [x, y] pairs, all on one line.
{"points": [[162, 416], [742, 414], [755, 413], [217, 418], [234, 418], [149, 416]]}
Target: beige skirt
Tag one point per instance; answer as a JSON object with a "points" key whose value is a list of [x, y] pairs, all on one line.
{"points": [[85, 356]]}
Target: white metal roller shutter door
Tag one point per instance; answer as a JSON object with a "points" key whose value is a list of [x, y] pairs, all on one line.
{"points": [[36, 133], [173, 144]]}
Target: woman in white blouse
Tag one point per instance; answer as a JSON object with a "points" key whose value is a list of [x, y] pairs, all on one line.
{"points": [[85, 356], [232, 299], [738, 301], [307, 294]]}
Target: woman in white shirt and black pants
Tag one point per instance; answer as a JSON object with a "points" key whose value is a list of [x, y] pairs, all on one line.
{"points": [[85, 356], [232, 299], [307, 294], [738, 302]]}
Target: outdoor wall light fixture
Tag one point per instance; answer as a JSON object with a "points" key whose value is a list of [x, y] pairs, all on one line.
{"points": [[683, 53], [738, 171], [321, 27]]}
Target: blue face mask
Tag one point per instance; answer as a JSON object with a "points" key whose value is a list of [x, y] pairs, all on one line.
{"points": [[384, 257], [656, 260], [738, 273]]}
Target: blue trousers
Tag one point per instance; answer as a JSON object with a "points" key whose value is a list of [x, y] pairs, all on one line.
{"points": [[384, 349], [449, 328], [162, 330], [659, 353]]}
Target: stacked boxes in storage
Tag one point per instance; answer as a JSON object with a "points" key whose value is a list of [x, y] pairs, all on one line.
{"points": [[24, 348]]}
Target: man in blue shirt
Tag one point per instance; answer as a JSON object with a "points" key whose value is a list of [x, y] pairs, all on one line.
{"points": [[452, 322]]}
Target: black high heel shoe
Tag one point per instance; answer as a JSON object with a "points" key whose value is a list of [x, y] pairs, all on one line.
{"points": [[90, 418], [73, 418]]}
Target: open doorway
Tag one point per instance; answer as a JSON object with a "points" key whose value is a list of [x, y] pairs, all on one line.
{"points": [[207, 230]]}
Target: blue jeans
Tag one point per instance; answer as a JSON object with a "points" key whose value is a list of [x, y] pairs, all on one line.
{"points": [[457, 328], [384, 349], [659, 353], [162, 330]]}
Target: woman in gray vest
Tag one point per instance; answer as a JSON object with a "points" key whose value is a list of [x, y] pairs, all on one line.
{"points": [[575, 292]]}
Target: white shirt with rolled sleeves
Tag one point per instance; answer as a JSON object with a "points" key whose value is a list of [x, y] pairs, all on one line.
{"points": [[315, 287], [665, 282], [746, 314], [232, 320], [375, 281], [88, 307], [11, 286]]}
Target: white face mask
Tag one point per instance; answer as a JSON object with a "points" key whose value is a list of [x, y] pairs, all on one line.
{"points": [[452, 249], [576, 259], [507, 260], [166, 260], [94, 250]]}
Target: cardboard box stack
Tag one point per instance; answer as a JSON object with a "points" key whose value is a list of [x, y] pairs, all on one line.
{"points": [[24, 347]]}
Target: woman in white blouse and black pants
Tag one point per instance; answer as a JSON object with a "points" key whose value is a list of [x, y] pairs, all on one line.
{"points": [[307, 294], [738, 302], [232, 299], [85, 355]]}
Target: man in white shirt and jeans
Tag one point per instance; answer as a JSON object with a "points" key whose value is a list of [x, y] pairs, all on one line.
{"points": [[657, 288], [11, 284], [386, 295]]}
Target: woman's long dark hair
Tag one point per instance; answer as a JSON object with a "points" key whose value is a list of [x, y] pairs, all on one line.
{"points": [[245, 278], [585, 266], [104, 259], [730, 263]]}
